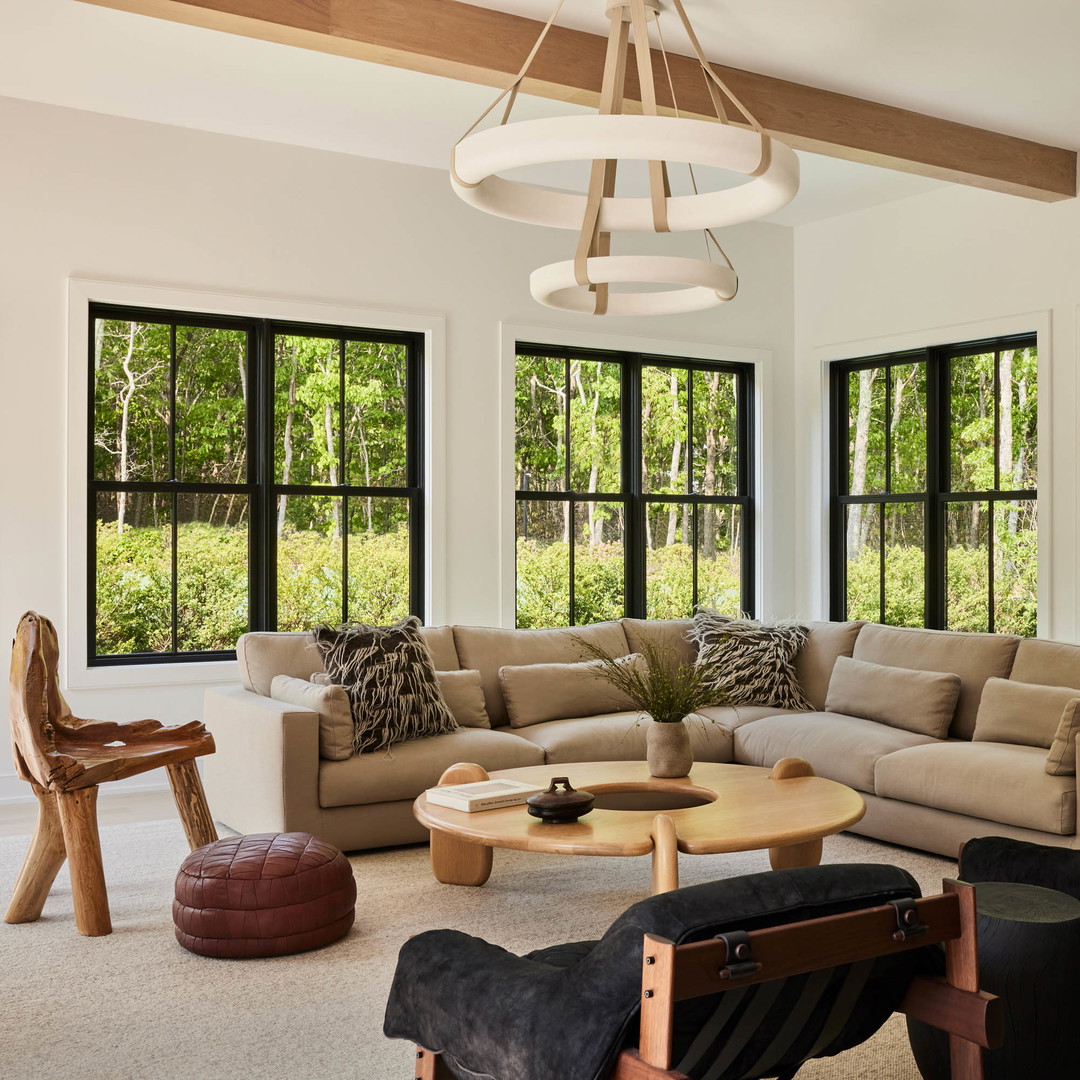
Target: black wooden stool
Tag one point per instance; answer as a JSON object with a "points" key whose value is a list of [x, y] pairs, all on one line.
{"points": [[1029, 949]]}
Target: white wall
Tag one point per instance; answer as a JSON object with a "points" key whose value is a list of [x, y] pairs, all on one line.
{"points": [[91, 196], [945, 267]]}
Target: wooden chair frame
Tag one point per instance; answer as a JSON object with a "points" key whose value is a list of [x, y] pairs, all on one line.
{"points": [[672, 973], [64, 758]]}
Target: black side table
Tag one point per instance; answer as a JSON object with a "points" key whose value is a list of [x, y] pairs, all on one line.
{"points": [[1029, 955]]}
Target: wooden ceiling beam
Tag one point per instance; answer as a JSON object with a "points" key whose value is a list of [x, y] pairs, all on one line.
{"points": [[461, 41]]}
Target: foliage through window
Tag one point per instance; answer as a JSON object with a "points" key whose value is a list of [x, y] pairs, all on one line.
{"points": [[247, 474], [934, 466], [633, 486]]}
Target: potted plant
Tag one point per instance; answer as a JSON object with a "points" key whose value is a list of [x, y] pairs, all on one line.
{"points": [[670, 690]]}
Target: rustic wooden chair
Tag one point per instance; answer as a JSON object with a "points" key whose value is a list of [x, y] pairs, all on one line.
{"points": [[64, 758], [722, 1004]]}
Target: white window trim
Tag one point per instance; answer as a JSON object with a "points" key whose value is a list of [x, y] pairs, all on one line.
{"points": [[1038, 322], [511, 334], [76, 673]]}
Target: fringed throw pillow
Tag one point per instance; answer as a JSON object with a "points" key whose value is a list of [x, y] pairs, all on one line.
{"points": [[754, 662], [389, 677]]}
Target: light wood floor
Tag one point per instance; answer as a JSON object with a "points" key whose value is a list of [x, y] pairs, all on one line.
{"points": [[121, 809]]}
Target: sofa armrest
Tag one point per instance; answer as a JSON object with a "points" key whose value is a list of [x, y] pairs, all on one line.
{"points": [[264, 776]]}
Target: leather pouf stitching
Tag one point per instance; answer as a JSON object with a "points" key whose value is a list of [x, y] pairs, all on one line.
{"points": [[267, 894]]}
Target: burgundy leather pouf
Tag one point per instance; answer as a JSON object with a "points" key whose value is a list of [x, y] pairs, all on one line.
{"points": [[268, 894]]}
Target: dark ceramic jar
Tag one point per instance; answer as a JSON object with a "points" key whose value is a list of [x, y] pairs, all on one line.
{"points": [[560, 807]]}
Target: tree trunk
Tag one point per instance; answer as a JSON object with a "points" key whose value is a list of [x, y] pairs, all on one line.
{"points": [[676, 458], [331, 450], [286, 464], [123, 466], [855, 533], [708, 513]]}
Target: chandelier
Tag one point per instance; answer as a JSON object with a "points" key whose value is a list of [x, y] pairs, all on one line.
{"points": [[582, 284]]}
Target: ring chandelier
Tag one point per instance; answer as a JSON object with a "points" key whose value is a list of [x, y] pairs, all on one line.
{"points": [[582, 284]]}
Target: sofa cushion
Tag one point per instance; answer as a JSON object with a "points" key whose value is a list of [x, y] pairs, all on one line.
{"points": [[841, 748], [814, 661], [994, 781], [733, 716], [672, 635], [463, 692], [1061, 761], [919, 701], [388, 674], [406, 769], [618, 737], [754, 661], [1052, 663], [332, 705], [974, 657], [534, 693], [1023, 713], [263, 654], [487, 649]]}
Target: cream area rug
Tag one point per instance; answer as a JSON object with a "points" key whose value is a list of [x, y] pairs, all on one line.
{"points": [[136, 1006]]}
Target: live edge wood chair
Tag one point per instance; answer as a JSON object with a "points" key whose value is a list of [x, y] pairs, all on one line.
{"points": [[64, 759], [745, 978]]}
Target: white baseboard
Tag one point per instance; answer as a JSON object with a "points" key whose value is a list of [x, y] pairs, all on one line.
{"points": [[14, 790]]}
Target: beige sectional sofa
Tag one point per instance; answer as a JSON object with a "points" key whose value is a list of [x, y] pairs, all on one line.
{"points": [[922, 791]]}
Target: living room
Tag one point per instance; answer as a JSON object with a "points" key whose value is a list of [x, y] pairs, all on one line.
{"points": [[179, 167]]}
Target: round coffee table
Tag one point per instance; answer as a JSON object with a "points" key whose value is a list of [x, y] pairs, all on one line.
{"points": [[717, 808]]}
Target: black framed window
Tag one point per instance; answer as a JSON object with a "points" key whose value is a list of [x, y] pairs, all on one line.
{"points": [[247, 474], [933, 482], [634, 486]]}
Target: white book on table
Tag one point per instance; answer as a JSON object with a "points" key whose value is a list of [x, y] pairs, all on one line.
{"points": [[482, 795]]}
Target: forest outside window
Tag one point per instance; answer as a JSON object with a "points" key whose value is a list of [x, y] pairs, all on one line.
{"points": [[934, 473], [247, 474], [633, 478]]}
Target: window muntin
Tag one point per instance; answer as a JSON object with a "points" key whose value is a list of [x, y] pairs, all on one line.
{"points": [[247, 474], [934, 501], [633, 486]]}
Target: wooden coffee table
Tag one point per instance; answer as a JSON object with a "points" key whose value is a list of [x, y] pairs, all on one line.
{"points": [[716, 808]]}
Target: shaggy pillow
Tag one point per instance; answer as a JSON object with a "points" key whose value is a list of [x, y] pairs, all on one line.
{"points": [[755, 662], [389, 677]]}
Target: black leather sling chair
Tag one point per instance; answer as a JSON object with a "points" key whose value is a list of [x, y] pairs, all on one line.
{"points": [[744, 978]]}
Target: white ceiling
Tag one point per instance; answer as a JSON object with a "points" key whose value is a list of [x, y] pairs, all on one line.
{"points": [[1002, 66]]}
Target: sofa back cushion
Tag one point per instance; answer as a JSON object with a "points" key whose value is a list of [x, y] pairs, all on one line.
{"points": [[974, 657], [1051, 663], [672, 635], [814, 661], [488, 648], [919, 701], [263, 654], [534, 693]]}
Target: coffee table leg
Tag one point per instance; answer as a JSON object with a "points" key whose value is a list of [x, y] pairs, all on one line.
{"points": [[784, 858], [665, 855], [455, 861]]}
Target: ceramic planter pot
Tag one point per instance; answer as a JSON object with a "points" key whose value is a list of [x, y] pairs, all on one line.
{"points": [[667, 749]]}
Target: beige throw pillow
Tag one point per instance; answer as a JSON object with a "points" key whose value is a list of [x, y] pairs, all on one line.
{"points": [[919, 701], [1026, 714], [537, 692], [463, 692], [1061, 761], [332, 705]]}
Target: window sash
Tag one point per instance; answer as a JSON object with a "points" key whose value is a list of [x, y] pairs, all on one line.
{"points": [[259, 488], [631, 495]]}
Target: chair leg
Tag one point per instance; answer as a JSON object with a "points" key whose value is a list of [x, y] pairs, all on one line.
{"points": [[43, 860], [78, 817], [431, 1066], [191, 805]]}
